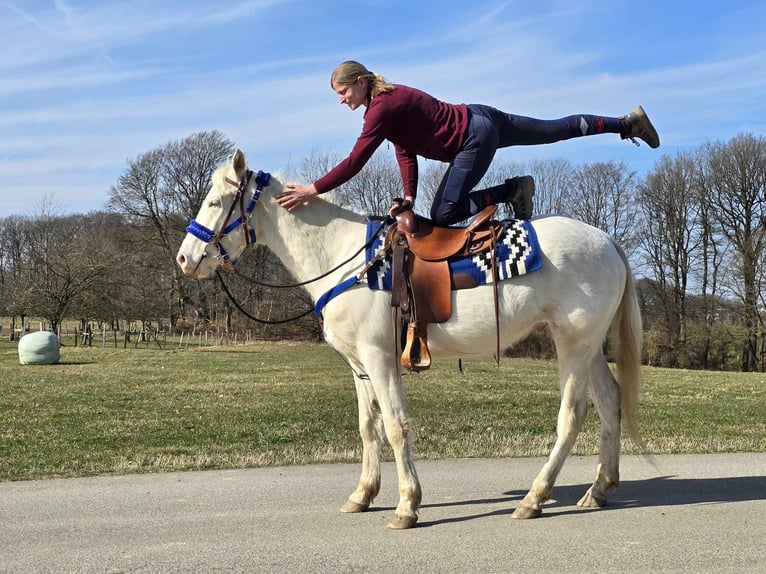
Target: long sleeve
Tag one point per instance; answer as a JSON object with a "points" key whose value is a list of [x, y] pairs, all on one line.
{"points": [[408, 166], [416, 123]]}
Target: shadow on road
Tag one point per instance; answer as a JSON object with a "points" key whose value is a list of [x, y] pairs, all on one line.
{"points": [[660, 491]]}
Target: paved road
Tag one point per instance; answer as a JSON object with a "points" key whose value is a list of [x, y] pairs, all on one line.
{"points": [[691, 514]]}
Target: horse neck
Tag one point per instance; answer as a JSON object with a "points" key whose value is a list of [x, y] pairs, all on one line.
{"points": [[313, 239]]}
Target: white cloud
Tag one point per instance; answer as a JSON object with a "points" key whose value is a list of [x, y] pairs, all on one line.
{"points": [[85, 86]]}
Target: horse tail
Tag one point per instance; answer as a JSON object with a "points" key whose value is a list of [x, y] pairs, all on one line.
{"points": [[627, 337]]}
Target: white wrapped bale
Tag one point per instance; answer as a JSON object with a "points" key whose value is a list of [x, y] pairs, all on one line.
{"points": [[40, 348]]}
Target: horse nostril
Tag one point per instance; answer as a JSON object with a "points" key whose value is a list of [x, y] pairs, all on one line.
{"points": [[181, 259]]}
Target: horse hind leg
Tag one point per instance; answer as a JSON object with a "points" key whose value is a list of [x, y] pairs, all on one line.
{"points": [[371, 431], [572, 410], [605, 394]]}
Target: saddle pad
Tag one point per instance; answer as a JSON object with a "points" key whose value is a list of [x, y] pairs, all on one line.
{"points": [[517, 253]]}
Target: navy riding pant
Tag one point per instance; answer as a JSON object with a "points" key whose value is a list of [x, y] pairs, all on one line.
{"points": [[489, 129]]}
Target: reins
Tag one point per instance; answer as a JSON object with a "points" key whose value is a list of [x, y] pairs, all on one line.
{"points": [[323, 300], [238, 273], [256, 319], [211, 237]]}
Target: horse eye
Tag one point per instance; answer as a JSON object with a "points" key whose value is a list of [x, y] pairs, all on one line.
{"points": [[214, 203]]}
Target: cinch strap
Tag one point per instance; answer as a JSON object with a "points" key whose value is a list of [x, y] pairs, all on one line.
{"points": [[333, 293]]}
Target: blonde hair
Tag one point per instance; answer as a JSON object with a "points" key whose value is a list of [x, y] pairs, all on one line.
{"points": [[350, 71]]}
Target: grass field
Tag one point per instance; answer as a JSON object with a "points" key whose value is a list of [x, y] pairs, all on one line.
{"points": [[106, 410]]}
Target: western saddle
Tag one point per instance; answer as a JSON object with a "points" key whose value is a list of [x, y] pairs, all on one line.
{"points": [[421, 282]]}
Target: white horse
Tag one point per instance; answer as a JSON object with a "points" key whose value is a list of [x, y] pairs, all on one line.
{"points": [[584, 288]]}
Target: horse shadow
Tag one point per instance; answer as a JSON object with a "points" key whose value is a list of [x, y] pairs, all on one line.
{"points": [[653, 492]]}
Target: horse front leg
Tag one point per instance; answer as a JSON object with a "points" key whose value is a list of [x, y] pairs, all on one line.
{"points": [[393, 406], [399, 433], [371, 431]]}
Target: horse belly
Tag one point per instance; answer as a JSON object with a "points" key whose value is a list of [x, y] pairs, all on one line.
{"points": [[471, 330]]}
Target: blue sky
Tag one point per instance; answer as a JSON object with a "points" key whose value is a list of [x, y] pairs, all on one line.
{"points": [[87, 85]]}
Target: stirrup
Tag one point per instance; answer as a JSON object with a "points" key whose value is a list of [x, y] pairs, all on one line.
{"points": [[416, 356]]}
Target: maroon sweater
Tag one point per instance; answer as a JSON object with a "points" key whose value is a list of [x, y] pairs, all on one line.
{"points": [[416, 123]]}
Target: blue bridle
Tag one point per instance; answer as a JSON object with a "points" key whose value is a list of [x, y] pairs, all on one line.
{"points": [[207, 235]]}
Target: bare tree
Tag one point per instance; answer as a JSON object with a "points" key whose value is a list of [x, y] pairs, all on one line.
{"points": [[713, 251], [603, 194], [316, 165], [14, 269], [373, 189], [735, 175], [165, 186], [140, 196], [144, 279], [161, 190], [187, 167], [671, 238], [553, 177], [63, 268]]}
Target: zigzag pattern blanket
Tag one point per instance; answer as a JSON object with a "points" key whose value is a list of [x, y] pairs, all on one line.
{"points": [[518, 253]]}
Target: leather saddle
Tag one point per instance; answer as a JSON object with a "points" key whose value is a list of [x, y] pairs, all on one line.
{"points": [[421, 282]]}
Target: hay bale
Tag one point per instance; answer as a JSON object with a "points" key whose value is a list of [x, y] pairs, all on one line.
{"points": [[40, 348]]}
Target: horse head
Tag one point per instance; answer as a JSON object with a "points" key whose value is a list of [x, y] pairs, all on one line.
{"points": [[222, 231]]}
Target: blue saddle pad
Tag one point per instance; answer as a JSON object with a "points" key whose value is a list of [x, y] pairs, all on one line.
{"points": [[517, 253]]}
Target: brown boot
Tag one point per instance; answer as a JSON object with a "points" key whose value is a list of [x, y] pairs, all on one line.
{"points": [[636, 124]]}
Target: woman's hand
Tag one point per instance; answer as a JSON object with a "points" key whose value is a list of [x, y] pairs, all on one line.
{"points": [[401, 205], [296, 195]]}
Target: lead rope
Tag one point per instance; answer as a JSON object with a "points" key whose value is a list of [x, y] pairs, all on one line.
{"points": [[255, 281], [256, 319], [301, 284]]}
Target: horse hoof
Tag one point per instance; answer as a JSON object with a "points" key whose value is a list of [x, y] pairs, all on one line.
{"points": [[353, 507], [526, 512], [590, 500], [402, 523]]}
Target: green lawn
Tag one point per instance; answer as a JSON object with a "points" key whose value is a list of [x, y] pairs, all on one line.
{"points": [[106, 410]]}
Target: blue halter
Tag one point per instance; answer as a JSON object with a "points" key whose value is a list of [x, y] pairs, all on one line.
{"points": [[207, 235]]}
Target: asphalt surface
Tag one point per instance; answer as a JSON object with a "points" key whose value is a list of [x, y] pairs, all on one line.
{"points": [[690, 514]]}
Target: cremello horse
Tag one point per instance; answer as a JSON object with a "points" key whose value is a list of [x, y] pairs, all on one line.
{"points": [[584, 287]]}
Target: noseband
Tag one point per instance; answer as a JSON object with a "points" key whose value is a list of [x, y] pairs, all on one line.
{"points": [[209, 236]]}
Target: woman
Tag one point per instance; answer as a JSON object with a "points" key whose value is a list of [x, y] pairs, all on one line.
{"points": [[465, 136]]}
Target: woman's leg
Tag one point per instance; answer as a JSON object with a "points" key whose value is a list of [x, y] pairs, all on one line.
{"points": [[522, 130], [490, 129], [452, 202]]}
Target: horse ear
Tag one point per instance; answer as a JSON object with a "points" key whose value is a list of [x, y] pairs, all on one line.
{"points": [[239, 163]]}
